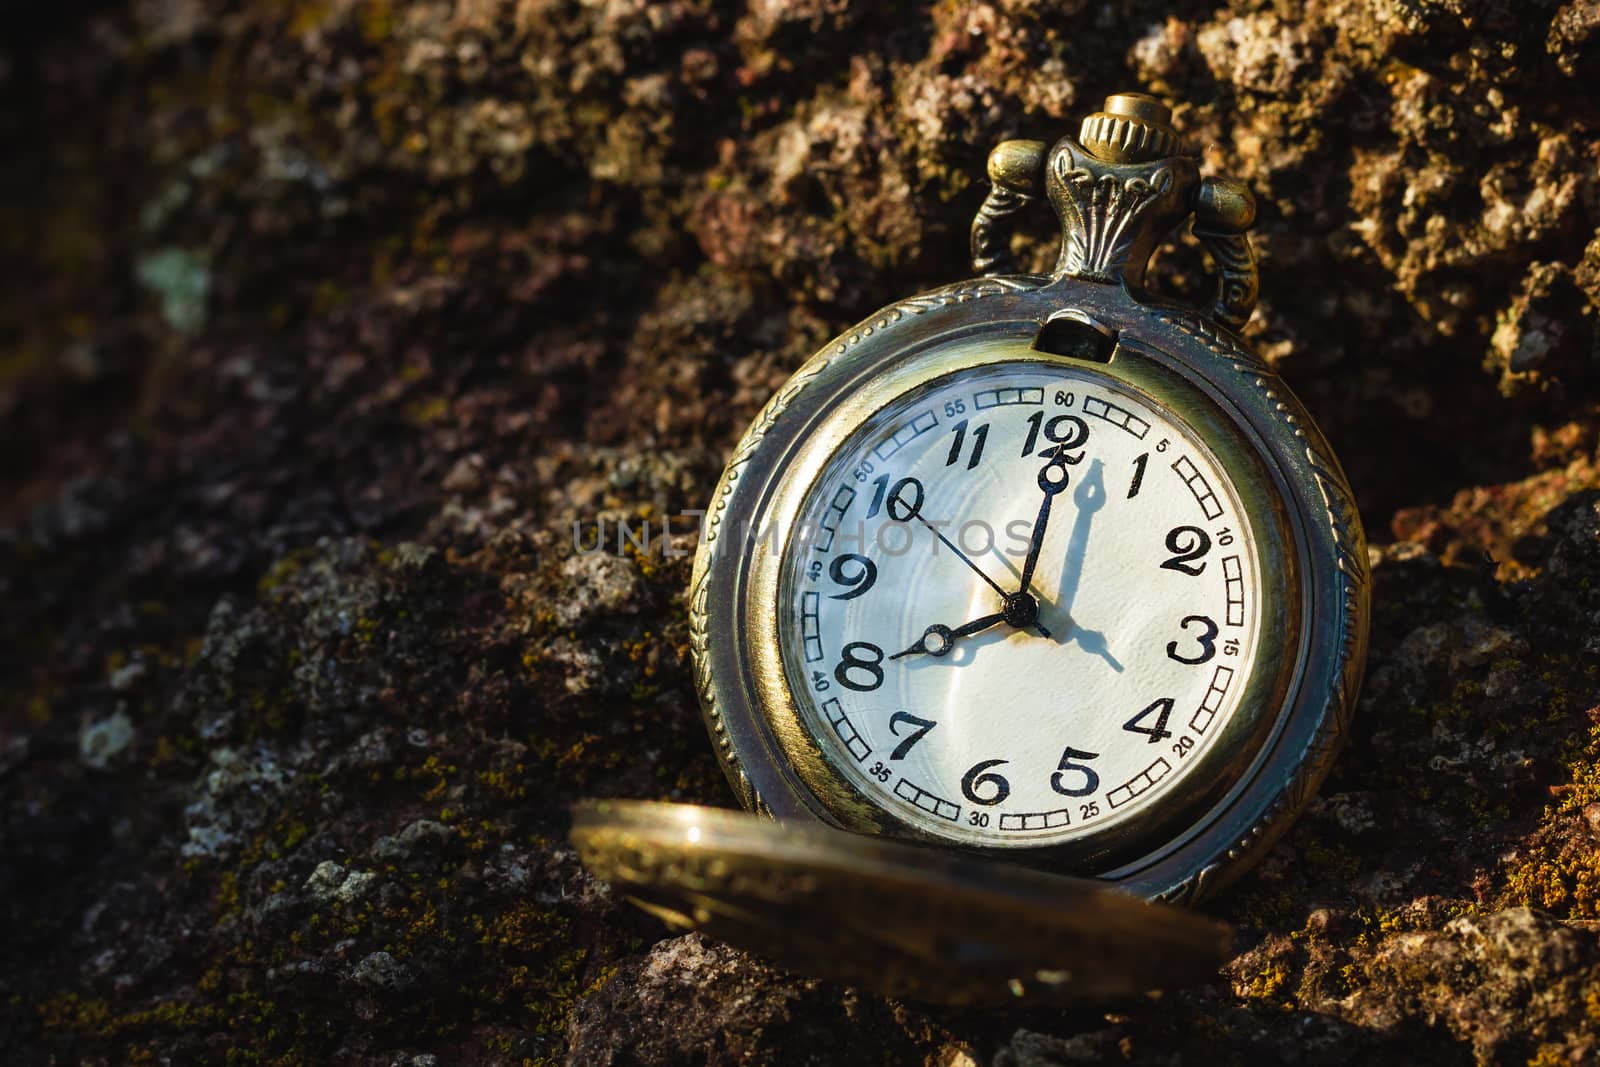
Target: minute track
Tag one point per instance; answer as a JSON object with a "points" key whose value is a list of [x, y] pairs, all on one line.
{"points": [[1030, 671]]}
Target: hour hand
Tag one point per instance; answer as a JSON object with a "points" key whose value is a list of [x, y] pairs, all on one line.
{"points": [[938, 640]]}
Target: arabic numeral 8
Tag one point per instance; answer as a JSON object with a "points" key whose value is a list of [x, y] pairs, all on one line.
{"points": [[880, 772], [858, 658]]}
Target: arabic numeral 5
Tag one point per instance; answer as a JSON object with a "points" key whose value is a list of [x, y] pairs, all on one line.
{"points": [[880, 772], [1083, 779], [952, 408]]}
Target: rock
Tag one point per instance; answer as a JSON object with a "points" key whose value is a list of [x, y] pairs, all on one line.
{"points": [[298, 413], [602, 585], [419, 839], [382, 972]]}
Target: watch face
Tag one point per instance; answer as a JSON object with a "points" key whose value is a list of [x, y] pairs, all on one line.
{"points": [[1020, 602]]}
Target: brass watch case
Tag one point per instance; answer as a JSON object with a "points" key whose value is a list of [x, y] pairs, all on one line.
{"points": [[1312, 562]]}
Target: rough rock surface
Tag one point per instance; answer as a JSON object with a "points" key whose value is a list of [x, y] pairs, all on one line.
{"points": [[328, 320]]}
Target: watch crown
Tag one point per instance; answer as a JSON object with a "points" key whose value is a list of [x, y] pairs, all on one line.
{"points": [[1131, 128]]}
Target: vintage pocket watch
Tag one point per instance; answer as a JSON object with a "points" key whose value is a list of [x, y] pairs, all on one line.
{"points": [[1042, 570]]}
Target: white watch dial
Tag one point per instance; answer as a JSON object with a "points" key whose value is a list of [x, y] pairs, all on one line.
{"points": [[993, 699]]}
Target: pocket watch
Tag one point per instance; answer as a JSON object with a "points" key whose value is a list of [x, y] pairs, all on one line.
{"points": [[1043, 573]]}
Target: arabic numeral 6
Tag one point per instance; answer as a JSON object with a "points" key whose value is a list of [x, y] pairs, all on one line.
{"points": [[995, 787], [880, 772]]}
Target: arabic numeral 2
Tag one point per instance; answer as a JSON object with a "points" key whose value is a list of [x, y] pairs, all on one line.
{"points": [[880, 772]]}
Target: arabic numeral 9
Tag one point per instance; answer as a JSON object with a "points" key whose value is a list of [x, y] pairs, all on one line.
{"points": [[855, 572]]}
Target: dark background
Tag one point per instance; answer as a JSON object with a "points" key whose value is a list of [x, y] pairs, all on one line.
{"points": [[324, 320]]}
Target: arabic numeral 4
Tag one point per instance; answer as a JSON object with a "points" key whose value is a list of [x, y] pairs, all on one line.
{"points": [[880, 772]]}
